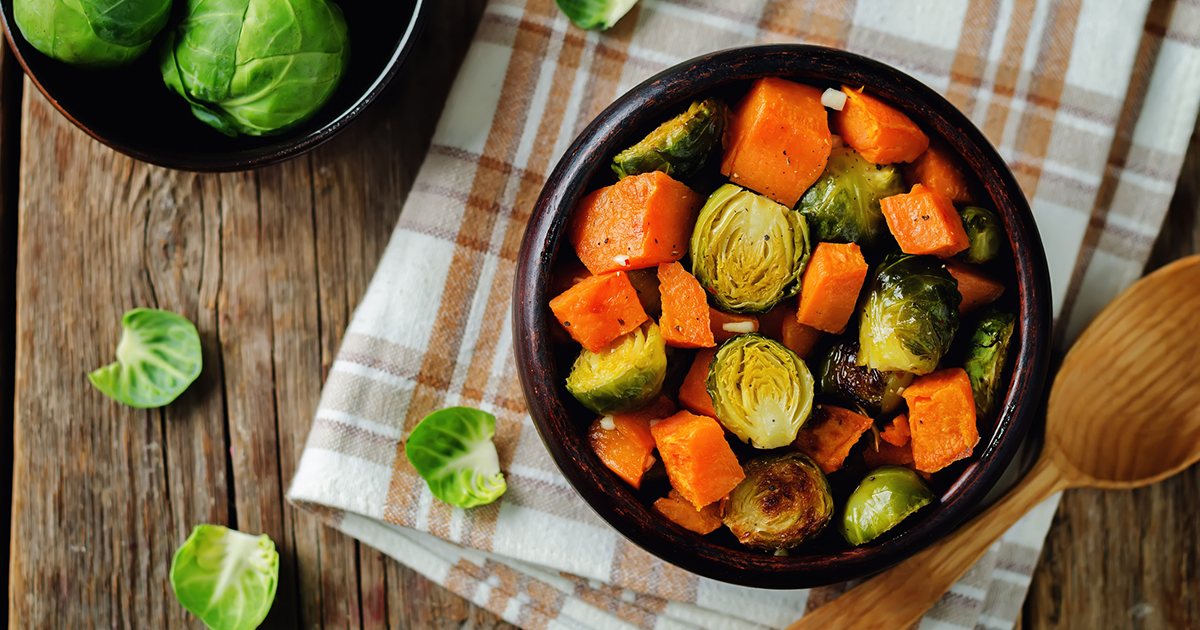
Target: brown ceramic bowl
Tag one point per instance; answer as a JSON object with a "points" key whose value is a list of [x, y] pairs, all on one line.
{"points": [[131, 110], [543, 365]]}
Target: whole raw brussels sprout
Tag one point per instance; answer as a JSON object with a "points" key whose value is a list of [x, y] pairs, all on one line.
{"points": [[984, 232], [256, 67], [783, 501], [888, 495], [762, 392], [910, 316], [986, 357], [623, 376], [843, 205], [747, 251], [679, 147], [91, 33], [876, 392]]}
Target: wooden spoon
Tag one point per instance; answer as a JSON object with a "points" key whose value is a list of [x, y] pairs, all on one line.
{"points": [[1124, 412]]}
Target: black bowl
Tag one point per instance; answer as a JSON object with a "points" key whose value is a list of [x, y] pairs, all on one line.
{"points": [[131, 110], [561, 422]]}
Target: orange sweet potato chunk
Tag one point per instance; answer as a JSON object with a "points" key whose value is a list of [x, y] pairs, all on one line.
{"points": [[726, 326], [937, 168], [976, 287], [925, 222], [599, 309], [780, 324], [878, 131], [679, 511], [830, 286], [941, 419], [693, 394], [829, 434], [778, 140], [641, 221], [896, 432], [699, 462], [888, 455], [626, 447], [684, 322]]}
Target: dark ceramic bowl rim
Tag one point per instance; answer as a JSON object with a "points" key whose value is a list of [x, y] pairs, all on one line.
{"points": [[285, 149], [590, 152]]}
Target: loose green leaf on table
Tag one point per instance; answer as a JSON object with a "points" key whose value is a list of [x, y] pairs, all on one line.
{"points": [[225, 577], [452, 450], [593, 13], [158, 357]]}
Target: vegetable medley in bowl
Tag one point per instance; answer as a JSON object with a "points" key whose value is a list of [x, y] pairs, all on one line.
{"points": [[785, 320]]}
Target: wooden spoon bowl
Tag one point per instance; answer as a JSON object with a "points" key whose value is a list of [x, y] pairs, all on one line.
{"points": [[1124, 412]]}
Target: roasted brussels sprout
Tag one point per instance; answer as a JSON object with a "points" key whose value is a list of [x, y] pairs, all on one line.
{"points": [[876, 392], [627, 374], [984, 231], [986, 357], [886, 497], [256, 67], [747, 251], [762, 392], [910, 316], [783, 501], [843, 205], [91, 33], [679, 147]]}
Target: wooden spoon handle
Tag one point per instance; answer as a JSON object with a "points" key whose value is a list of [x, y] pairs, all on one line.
{"points": [[899, 596]]}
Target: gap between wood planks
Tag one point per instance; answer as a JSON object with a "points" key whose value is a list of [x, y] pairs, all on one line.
{"points": [[10, 153]]}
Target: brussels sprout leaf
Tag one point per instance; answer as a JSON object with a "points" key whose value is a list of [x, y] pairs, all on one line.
{"points": [[453, 452], [593, 13], [157, 358], [225, 577]]}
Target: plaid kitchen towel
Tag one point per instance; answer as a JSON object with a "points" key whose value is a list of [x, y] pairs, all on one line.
{"points": [[1091, 102]]}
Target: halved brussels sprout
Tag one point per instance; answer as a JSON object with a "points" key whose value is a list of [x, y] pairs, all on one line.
{"points": [[986, 357], [783, 501], [843, 205], [679, 147], [984, 231], [747, 251], [910, 316], [886, 497], [762, 392], [626, 375], [876, 392]]}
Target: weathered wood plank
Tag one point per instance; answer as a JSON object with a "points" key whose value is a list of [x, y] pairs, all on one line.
{"points": [[1130, 559], [182, 257], [91, 508]]}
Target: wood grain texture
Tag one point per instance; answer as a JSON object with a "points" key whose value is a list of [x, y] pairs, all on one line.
{"points": [[1130, 559], [269, 265]]}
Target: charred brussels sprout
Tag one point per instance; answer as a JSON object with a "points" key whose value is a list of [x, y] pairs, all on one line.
{"points": [[679, 147], [985, 233], [910, 316], [875, 391], [762, 392], [747, 251], [887, 496], [986, 357], [627, 374], [256, 67], [843, 205], [783, 501], [91, 33]]}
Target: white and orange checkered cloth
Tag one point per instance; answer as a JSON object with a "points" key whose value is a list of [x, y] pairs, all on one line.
{"points": [[1091, 102]]}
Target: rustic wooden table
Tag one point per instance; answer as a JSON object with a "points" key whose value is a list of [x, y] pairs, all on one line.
{"points": [[270, 264]]}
